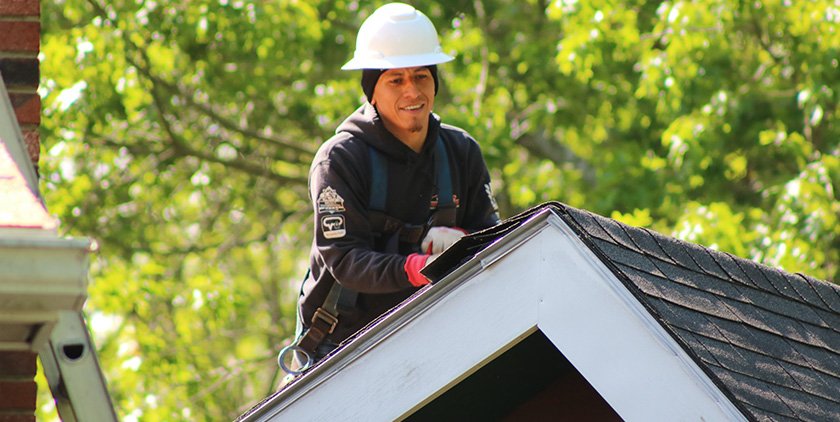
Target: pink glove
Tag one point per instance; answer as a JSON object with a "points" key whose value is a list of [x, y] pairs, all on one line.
{"points": [[439, 238], [413, 264]]}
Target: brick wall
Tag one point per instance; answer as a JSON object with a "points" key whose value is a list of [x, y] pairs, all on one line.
{"points": [[18, 391], [20, 42]]}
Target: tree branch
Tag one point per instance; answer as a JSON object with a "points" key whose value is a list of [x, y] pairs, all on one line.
{"points": [[237, 163], [221, 120], [190, 101], [540, 145]]}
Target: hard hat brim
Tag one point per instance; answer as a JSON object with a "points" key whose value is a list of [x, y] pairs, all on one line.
{"points": [[396, 62]]}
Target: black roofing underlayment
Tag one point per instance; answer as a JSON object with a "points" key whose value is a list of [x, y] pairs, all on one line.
{"points": [[769, 339]]}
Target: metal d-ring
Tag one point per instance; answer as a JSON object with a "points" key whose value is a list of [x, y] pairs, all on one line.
{"points": [[293, 348]]}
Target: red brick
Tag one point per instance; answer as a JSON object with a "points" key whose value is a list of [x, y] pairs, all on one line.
{"points": [[16, 363], [27, 108], [20, 8], [18, 395], [32, 140], [20, 36]]}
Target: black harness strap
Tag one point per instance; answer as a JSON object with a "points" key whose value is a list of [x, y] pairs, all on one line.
{"points": [[378, 217], [323, 322], [446, 209]]}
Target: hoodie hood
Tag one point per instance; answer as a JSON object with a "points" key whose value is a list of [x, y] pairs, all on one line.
{"points": [[366, 125]]}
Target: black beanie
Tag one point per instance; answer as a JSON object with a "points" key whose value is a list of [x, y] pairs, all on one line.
{"points": [[371, 76]]}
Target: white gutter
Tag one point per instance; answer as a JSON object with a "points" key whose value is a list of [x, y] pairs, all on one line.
{"points": [[39, 278]]}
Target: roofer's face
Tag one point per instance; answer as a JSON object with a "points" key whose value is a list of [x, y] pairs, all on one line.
{"points": [[404, 98]]}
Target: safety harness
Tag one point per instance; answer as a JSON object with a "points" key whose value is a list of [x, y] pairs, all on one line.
{"points": [[384, 224], [342, 299]]}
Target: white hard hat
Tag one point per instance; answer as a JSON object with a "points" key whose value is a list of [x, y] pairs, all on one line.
{"points": [[396, 35]]}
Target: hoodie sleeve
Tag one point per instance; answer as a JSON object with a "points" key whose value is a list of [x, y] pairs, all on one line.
{"points": [[482, 211], [339, 186]]}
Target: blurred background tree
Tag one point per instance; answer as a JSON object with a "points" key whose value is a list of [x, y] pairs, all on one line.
{"points": [[179, 134]]}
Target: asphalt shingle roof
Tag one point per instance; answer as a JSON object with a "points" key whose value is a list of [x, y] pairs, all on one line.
{"points": [[769, 339]]}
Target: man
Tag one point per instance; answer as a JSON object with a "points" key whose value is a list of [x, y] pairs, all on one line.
{"points": [[393, 188]]}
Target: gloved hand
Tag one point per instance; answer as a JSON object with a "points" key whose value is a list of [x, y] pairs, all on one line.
{"points": [[413, 264], [439, 238]]}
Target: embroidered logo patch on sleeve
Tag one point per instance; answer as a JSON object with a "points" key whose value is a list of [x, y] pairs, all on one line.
{"points": [[330, 201], [333, 226]]}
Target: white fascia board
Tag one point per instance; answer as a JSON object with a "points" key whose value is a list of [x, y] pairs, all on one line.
{"points": [[541, 276]]}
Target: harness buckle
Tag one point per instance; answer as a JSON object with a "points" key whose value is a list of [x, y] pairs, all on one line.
{"points": [[326, 317]]}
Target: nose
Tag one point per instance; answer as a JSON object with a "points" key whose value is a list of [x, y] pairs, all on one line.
{"points": [[411, 89]]}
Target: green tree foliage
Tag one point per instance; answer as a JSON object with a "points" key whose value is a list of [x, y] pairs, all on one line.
{"points": [[178, 134]]}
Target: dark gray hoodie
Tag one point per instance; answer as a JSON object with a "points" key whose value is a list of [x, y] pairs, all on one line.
{"points": [[345, 248]]}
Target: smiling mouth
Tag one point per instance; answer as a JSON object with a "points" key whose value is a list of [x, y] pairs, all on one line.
{"points": [[413, 107]]}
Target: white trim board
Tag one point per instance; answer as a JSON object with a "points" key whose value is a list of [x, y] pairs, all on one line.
{"points": [[541, 276]]}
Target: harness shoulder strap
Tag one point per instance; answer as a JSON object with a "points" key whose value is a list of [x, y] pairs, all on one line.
{"points": [[377, 203], [378, 216], [444, 178], [446, 212]]}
